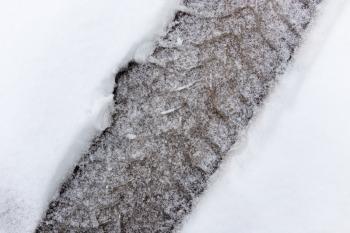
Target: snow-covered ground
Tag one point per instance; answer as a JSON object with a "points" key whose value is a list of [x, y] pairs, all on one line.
{"points": [[57, 62], [292, 173]]}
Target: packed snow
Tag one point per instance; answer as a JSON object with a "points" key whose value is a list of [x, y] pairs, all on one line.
{"points": [[291, 172], [57, 61]]}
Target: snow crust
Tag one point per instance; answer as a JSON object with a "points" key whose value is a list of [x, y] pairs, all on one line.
{"points": [[291, 171], [58, 60]]}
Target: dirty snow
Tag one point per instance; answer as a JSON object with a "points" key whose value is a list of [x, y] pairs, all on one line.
{"points": [[57, 63], [291, 172]]}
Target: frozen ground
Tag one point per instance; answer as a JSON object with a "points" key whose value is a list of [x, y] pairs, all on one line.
{"points": [[177, 114], [57, 61], [292, 174]]}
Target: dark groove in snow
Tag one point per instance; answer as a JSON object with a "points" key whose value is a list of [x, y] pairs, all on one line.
{"points": [[177, 115]]}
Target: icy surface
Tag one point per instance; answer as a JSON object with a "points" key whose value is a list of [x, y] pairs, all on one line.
{"points": [[176, 115], [293, 173], [56, 80]]}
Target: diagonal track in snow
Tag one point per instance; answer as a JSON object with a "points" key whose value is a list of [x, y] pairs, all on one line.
{"points": [[233, 51]]}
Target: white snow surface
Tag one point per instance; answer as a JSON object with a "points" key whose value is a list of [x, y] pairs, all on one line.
{"points": [[291, 173], [58, 60]]}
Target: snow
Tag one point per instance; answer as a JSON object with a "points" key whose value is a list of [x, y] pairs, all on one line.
{"points": [[169, 111], [58, 60], [290, 172], [185, 86]]}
